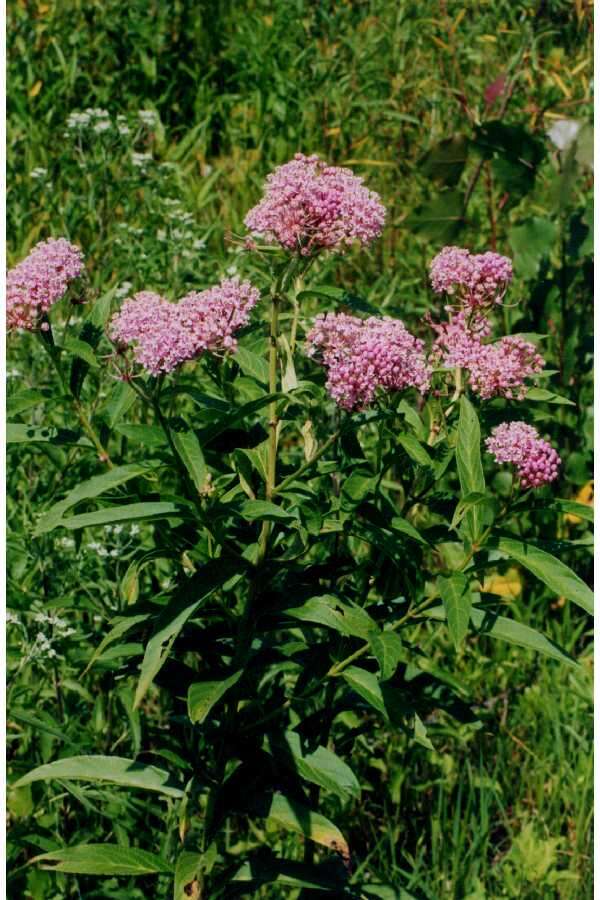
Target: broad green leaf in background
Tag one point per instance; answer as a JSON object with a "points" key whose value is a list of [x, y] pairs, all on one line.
{"points": [[17, 433], [203, 695], [103, 859], [271, 870], [112, 769], [468, 463], [456, 597], [252, 364], [554, 573], [531, 242]]}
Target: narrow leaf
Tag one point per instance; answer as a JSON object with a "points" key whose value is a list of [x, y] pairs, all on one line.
{"points": [[113, 769], [188, 447], [203, 695], [551, 571], [456, 597], [103, 859], [468, 462]]}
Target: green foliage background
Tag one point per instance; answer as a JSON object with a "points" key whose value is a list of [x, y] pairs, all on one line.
{"points": [[397, 91]]}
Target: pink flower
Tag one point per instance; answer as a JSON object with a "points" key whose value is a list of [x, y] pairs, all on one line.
{"points": [[476, 279], [309, 206], [535, 459], [165, 334], [362, 355], [498, 369], [41, 279]]}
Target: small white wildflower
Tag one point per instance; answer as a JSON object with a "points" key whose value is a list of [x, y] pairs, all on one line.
{"points": [[147, 117], [12, 618], [38, 173], [206, 169], [199, 244], [123, 289], [66, 543], [117, 529], [232, 270], [161, 234], [564, 132], [141, 159], [135, 529], [13, 373], [114, 553], [101, 125]]}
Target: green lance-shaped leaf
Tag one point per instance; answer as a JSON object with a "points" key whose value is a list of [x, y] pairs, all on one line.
{"points": [[320, 766], [510, 631], [187, 868], [103, 859], [172, 619], [551, 571], [468, 463], [265, 869], [415, 449], [120, 400], [331, 612], [17, 433], [366, 684], [456, 597], [251, 364], [96, 486], [203, 695], [112, 769], [388, 650], [189, 449], [121, 627], [129, 512], [82, 350], [295, 816]]}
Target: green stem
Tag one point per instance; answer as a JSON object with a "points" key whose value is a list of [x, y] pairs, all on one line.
{"points": [[273, 421], [307, 465], [339, 667], [458, 388], [47, 342]]}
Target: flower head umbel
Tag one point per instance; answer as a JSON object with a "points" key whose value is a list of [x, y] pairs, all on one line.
{"points": [[476, 280], [497, 369], [41, 279], [362, 355], [164, 334], [309, 206], [518, 443]]}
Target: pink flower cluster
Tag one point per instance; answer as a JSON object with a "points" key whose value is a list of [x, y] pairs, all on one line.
{"points": [[498, 369], [520, 444], [309, 206], [165, 334], [41, 279], [476, 279], [362, 355]]}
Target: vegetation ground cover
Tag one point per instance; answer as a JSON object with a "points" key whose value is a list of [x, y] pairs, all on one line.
{"points": [[460, 115]]}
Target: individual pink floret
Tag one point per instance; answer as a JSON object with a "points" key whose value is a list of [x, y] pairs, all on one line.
{"points": [[39, 281], [309, 206], [364, 355], [475, 279], [518, 443], [164, 334]]}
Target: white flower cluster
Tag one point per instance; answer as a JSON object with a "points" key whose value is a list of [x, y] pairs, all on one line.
{"points": [[141, 160], [97, 120], [147, 117], [39, 173]]}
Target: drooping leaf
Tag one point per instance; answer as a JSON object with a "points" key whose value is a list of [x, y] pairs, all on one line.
{"points": [[551, 571], [128, 512], [456, 597], [252, 364], [271, 870], [295, 816], [446, 160], [96, 486], [111, 769], [103, 859], [541, 395], [319, 766], [510, 631], [203, 695]]}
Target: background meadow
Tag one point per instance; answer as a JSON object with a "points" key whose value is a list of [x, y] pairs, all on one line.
{"points": [[143, 131]]}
